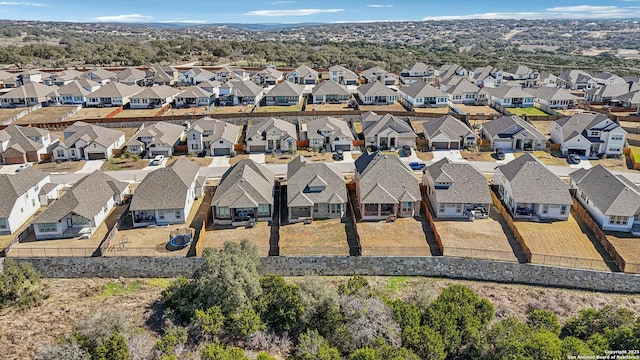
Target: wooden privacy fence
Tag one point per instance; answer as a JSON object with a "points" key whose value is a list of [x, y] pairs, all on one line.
{"points": [[507, 217], [424, 206]]}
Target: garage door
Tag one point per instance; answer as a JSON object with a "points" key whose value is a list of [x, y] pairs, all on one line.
{"points": [[96, 156], [164, 153], [221, 151], [581, 152], [440, 144], [257, 148], [505, 145], [343, 147], [12, 160]]}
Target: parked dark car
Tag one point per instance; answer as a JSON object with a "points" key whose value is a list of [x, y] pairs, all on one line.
{"points": [[406, 150], [338, 155], [417, 165], [573, 159], [499, 154], [372, 148]]}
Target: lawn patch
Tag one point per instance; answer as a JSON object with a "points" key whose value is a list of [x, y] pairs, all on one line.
{"points": [[115, 289]]}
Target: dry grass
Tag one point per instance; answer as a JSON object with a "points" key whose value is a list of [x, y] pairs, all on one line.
{"points": [[376, 108], [63, 166], [403, 237], [473, 110], [123, 163], [628, 246], [201, 161], [438, 110], [321, 237], [216, 236], [234, 160], [188, 111], [531, 111], [477, 155], [549, 159], [128, 132], [6, 113], [543, 126], [241, 109], [329, 107], [614, 164], [284, 108], [561, 243], [132, 113], [91, 113], [482, 239], [425, 155], [44, 115], [315, 156], [357, 126]]}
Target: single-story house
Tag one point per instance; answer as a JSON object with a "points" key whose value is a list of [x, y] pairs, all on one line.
{"points": [[21, 144], [112, 94], [303, 75], [421, 94], [342, 75], [328, 132], [236, 92], [554, 98], [271, 135], [267, 77], [330, 92], [87, 141], [31, 94], [378, 74], [447, 132], [101, 76], [154, 97], [131, 76], [76, 92], [507, 96], [285, 93], [194, 96], [387, 131], [376, 93], [418, 72], [157, 138], [513, 133]]}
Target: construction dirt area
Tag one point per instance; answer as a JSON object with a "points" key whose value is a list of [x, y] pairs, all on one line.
{"points": [[402, 237], [318, 238]]}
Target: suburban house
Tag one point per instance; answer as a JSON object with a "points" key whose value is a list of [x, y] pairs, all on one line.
{"points": [[314, 191], [464, 91], [377, 74], [245, 195], [418, 72], [193, 96], [48, 193], [385, 187], [157, 138], [131, 76], [548, 80], [303, 75], [166, 195], [421, 94], [267, 77], [507, 96], [457, 190], [227, 73], [214, 137], [576, 80], [486, 76], [612, 200], [21, 144], [285, 93], [387, 131], [530, 190], [523, 75], [76, 92], [82, 209], [342, 75], [327, 133], [271, 135], [237, 92], [161, 75], [29, 76], [610, 93], [154, 97], [112, 94], [513, 133], [330, 92], [554, 98], [447, 132], [8, 80], [62, 77], [195, 75], [590, 135], [19, 193], [631, 100], [87, 141], [607, 78], [101, 76], [30, 94], [376, 93], [449, 71], [211, 86]]}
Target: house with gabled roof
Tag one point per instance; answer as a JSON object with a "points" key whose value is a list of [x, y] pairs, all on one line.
{"points": [[576, 80], [236, 92], [378, 74], [385, 187], [113, 94], [612, 200], [284, 94], [161, 75], [76, 92], [63, 77], [227, 73], [607, 78], [245, 195], [554, 98], [82, 209], [421, 94], [101, 76], [21, 144], [211, 86], [19, 194], [507, 96], [486, 76], [31, 94], [447, 132], [328, 133], [449, 71], [523, 75], [513, 133], [463, 91], [610, 93], [342, 75], [214, 137], [194, 96], [157, 138], [330, 92], [375, 93], [314, 191], [303, 75], [8, 80], [166, 195], [271, 135], [387, 131], [457, 190], [195, 75], [590, 135], [268, 76], [530, 190], [131, 76], [87, 141], [154, 97], [418, 72]]}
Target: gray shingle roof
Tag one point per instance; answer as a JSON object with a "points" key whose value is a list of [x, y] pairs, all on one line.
{"points": [[374, 124], [194, 92], [612, 195], [302, 174], [162, 133], [346, 73], [531, 182], [74, 88], [497, 128], [89, 132], [116, 90], [157, 92], [12, 186], [19, 137], [85, 198], [580, 123], [243, 87], [339, 128], [385, 179], [507, 92], [550, 93], [329, 87], [30, 90], [166, 188], [246, 185], [468, 184], [261, 127], [421, 89], [285, 88], [304, 70], [130, 75], [451, 127], [220, 129], [375, 88]]}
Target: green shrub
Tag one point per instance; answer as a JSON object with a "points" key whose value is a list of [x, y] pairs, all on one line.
{"points": [[20, 286]]}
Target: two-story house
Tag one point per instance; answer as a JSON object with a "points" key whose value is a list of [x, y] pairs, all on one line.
{"points": [[267, 77], [19, 194], [530, 190], [418, 72], [271, 135], [486, 76], [21, 144], [576, 80], [590, 135], [303, 75], [157, 138], [214, 137], [387, 131], [328, 133], [87, 141], [342, 75], [513, 133], [523, 75], [421, 94], [378, 74]]}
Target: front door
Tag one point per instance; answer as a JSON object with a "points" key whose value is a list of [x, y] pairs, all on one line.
{"points": [[69, 222], [519, 144]]}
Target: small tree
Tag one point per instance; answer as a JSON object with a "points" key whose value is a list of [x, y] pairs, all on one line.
{"points": [[280, 304], [312, 346], [244, 322], [114, 349], [20, 286], [544, 319], [207, 324], [174, 337], [221, 352]]}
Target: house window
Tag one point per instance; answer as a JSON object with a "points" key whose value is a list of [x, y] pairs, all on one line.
{"points": [[59, 153], [442, 205], [161, 214], [545, 209], [458, 208], [618, 220], [335, 208], [406, 206], [316, 208], [3, 223], [178, 214], [563, 210], [33, 202], [105, 208], [263, 210], [194, 146], [616, 137], [79, 220], [223, 212], [193, 136], [47, 227], [594, 133]]}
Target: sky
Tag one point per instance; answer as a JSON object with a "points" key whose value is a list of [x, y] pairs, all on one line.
{"points": [[305, 11]]}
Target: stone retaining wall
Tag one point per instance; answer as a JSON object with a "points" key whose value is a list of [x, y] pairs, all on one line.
{"points": [[448, 267]]}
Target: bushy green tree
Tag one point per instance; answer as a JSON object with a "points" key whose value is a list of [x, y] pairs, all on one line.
{"points": [[424, 341], [511, 339], [264, 356], [115, 348], [407, 315], [174, 336], [597, 321], [20, 286], [544, 319], [280, 305], [220, 352], [380, 351], [207, 324], [572, 346], [356, 285], [312, 346], [244, 322]]}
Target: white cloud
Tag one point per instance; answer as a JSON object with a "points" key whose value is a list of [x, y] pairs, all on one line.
{"points": [[282, 2], [581, 8], [292, 12], [380, 6], [20, 3], [559, 12], [124, 18], [182, 21]]}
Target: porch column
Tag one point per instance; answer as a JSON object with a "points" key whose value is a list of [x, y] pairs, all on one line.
{"points": [[379, 209]]}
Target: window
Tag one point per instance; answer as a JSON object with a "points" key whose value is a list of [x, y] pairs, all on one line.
{"points": [[442, 207], [594, 133], [335, 208], [47, 227], [616, 137], [563, 210], [178, 214], [406, 206], [193, 136], [33, 202], [194, 146], [315, 208], [59, 152], [105, 208], [78, 220], [618, 220], [458, 208], [263, 210], [161, 214], [223, 212], [3, 223], [545, 209]]}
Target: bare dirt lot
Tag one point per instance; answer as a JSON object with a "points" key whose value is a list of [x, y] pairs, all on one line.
{"points": [[189, 111], [137, 113], [6, 113], [628, 246], [321, 237], [63, 166], [328, 107], [438, 110], [91, 113], [403, 237], [44, 115], [375, 108], [473, 110]]}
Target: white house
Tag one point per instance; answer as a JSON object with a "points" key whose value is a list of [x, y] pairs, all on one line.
{"points": [[513, 133], [271, 135], [194, 96], [329, 91], [267, 77], [418, 72], [157, 138], [19, 193], [112, 94], [447, 132], [421, 94], [286, 93], [486, 77], [237, 92], [21, 144], [329, 132], [76, 92], [87, 141], [30, 94], [342, 75], [377, 74], [303, 75], [387, 131], [154, 97], [375, 93], [195, 75], [507, 96], [554, 98], [214, 137], [590, 135], [101, 76]]}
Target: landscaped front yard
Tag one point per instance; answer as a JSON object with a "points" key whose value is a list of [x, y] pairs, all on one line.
{"points": [[320, 238], [403, 237]]}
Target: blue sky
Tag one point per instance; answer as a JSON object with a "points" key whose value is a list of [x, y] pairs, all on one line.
{"points": [[327, 11]]}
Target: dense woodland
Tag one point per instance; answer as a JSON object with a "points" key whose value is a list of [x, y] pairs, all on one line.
{"points": [[227, 311]]}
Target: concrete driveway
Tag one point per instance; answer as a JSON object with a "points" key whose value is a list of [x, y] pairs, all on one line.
{"points": [[9, 169], [411, 158], [508, 156], [348, 158], [90, 166], [584, 164], [259, 158], [453, 155], [220, 161], [152, 165]]}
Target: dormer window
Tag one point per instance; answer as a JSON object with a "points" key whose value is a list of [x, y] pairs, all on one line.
{"points": [[594, 133], [442, 185]]}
